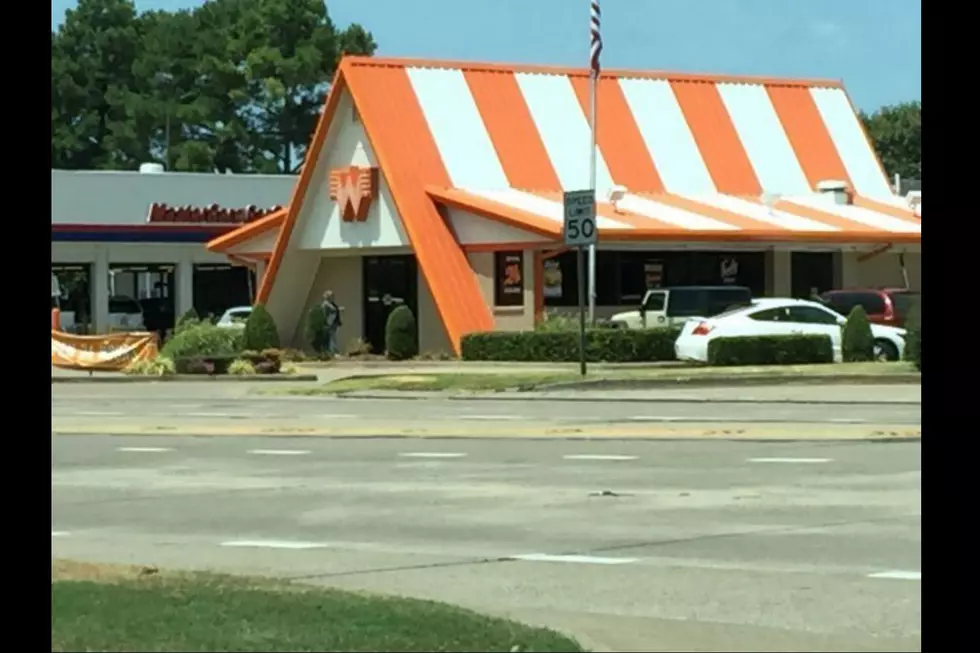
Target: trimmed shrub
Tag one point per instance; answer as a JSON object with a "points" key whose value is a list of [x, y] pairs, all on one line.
{"points": [[190, 318], [268, 361], [551, 321], [602, 345], [315, 329], [857, 343], [913, 335], [203, 339], [241, 367], [771, 350], [260, 330], [159, 366], [401, 335]]}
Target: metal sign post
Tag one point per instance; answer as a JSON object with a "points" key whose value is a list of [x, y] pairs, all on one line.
{"points": [[580, 232]]}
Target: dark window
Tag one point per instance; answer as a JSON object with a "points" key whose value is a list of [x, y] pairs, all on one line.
{"points": [[810, 315], [842, 302], [687, 303], [153, 285], [124, 305], [219, 286], [771, 315], [902, 302], [508, 288], [76, 298], [720, 300], [633, 278], [873, 303], [655, 301]]}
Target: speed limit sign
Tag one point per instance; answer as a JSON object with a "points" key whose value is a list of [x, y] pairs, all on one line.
{"points": [[580, 228]]}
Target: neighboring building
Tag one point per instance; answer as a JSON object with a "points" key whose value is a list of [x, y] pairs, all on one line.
{"points": [[139, 236], [439, 184]]}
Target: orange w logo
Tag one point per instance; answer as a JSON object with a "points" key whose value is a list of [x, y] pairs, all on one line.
{"points": [[353, 189]]}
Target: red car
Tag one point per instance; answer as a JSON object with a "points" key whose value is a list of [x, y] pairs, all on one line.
{"points": [[888, 306]]}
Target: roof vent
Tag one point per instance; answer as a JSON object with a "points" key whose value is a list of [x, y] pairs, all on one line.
{"points": [[151, 168], [837, 189], [914, 199]]}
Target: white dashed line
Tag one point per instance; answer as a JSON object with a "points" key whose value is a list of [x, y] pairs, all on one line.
{"points": [[574, 559], [898, 575], [143, 449], [805, 461], [60, 533], [98, 413], [491, 417], [589, 456], [432, 454], [644, 418], [225, 415], [278, 452], [274, 544]]}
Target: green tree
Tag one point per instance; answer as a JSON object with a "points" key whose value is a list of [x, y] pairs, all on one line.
{"points": [[401, 334], [857, 341], [896, 132], [260, 330]]}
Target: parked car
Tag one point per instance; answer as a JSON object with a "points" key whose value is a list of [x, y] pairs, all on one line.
{"points": [[889, 306], [234, 318], [673, 306], [769, 317]]}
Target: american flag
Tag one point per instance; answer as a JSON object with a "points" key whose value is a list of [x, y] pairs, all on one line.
{"points": [[596, 42]]}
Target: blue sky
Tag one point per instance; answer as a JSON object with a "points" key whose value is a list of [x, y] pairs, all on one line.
{"points": [[875, 46]]}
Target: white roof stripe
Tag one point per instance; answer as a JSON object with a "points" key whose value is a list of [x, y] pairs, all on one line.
{"points": [[564, 130], [672, 215], [538, 205], [762, 213], [851, 143], [457, 127], [858, 214], [764, 139], [667, 135]]}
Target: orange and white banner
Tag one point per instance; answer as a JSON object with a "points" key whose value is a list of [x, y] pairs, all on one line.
{"points": [[112, 352]]}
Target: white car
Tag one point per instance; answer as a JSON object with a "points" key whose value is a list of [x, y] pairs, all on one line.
{"points": [[234, 318], [769, 317]]}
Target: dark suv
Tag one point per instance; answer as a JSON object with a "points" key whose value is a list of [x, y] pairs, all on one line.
{"points": [[889, 306]]}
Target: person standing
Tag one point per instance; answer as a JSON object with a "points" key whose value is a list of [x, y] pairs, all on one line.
{"points": [[331, 313]]}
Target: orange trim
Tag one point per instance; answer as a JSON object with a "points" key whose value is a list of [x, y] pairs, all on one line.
{"points": [[876, 252], [887, 209], [407, 155], [808, 135], [826, 217], [247, 232], [619, 137], [501, 213], [538, 286], [512, 130], [719, 144], [361, 61]]}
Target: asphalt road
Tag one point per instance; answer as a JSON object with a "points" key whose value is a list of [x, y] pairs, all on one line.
{"points": [[755, 546]]}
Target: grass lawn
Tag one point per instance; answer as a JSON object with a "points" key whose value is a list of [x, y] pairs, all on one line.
{"points": [[110, 608], [510, 379]]}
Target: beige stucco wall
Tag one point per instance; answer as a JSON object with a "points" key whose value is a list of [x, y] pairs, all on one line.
{"points": [[517, 318], [882, 271], [432, 334], [342, 275]]}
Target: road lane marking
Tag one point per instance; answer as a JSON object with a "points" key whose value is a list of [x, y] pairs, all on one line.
{"points": [[98, 413], [847, 420], [589, 456], [804, 461], [225, 415], [432, 454], [279, 452], [143, 449], [644, 418], [574, 559], [491, 417], [898, 575], [274, 544], [60, 533]]}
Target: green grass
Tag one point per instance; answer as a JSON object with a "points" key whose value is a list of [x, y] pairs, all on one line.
{"points": [[129, 611], [510, 379]]}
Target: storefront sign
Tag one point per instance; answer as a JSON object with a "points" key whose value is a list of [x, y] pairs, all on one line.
{"points": [[653, 273], [212, 214], [509, 278], [114, 352], [552, 279], [729, 270], [353, 189]]}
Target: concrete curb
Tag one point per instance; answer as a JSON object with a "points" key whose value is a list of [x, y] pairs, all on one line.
{"points": [[192, 378], [402, 395]]}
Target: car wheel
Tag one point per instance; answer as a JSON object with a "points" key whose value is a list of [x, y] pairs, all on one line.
{"points": [[885, 351]]}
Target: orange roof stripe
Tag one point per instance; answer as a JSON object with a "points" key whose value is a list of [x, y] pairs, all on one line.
{"points": [[619, 137], [512, 131], [846, 226], [407, 155], [887, 209], [247, 232], [808, 135], [723, 153]]}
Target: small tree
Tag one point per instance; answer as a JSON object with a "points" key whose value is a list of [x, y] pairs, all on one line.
{"points": [[260, 330], [913, 336], [316, 329], [857, 343], [401, 335]]}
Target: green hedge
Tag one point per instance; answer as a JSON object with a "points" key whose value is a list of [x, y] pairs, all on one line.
{"points": [[602, 345], [771, 350], [913, 336]]}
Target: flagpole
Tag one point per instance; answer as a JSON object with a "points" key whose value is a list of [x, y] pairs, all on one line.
{"points": [[593, 88]]}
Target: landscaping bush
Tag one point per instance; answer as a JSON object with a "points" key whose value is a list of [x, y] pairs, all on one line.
{"points": [[551, 321], [201, 340], [260, 330], [857, 343], [217, 364], [602, 345], [401, 334], [771, 350], [189, 318], [267, 361], [241, 367], [159, 366], [315, 329], [913, 336]]}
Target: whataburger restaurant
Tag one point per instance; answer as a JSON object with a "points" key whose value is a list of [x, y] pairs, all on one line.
{"points": [[439, 184]]}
